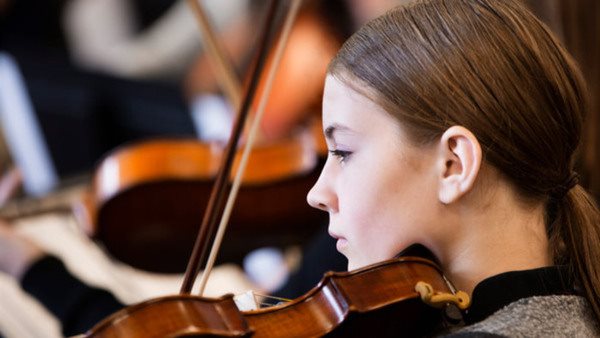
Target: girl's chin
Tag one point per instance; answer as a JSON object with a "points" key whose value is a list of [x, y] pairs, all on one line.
{"points": [[341, 244]]}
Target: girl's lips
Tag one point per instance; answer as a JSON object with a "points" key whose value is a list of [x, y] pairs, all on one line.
{"points": [[334, 235], [341, 241]]}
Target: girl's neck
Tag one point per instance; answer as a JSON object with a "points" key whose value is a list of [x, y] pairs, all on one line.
{"points": [[502, 235]]}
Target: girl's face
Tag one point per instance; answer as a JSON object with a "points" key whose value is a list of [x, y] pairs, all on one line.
{"points": [[378, 188]]}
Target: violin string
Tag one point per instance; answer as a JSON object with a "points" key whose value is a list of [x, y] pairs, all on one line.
{"points": [[281, 44], [261, 300], [272, 297], [229, 80]]}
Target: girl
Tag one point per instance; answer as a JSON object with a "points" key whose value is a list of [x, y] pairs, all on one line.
{"points": [[454, 124]]}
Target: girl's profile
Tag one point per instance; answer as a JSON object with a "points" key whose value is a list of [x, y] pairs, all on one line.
{"points": [[455, 124]]}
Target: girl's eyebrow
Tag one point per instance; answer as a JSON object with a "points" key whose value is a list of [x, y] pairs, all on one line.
{"points": [[332, 129]]}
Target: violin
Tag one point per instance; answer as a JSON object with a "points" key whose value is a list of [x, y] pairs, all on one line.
{"points": [[146, 198], [404, 296]]}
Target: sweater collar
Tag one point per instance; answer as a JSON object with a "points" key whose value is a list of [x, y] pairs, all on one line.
{"points": [[493, 293]]}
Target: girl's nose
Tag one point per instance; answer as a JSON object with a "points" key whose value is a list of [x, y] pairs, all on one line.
{"points": [[321, 195]]}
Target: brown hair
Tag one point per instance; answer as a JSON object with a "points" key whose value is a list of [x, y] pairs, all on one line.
{"points": [[492, 67]]}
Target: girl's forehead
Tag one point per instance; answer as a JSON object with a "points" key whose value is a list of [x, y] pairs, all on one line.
{"points": [[339, 95], [347, 112]]}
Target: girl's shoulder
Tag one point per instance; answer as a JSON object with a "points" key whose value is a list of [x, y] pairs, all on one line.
{"points": [[538, 316]]}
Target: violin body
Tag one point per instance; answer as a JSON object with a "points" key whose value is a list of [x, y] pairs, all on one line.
{"points": [[376, 301], [148, 198], [175, 316]]}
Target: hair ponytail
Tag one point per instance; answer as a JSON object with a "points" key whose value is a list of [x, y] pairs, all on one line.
{"points": [[574, 236]]}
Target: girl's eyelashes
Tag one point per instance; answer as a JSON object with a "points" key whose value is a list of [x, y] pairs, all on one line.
{"points": [[342, 155]]}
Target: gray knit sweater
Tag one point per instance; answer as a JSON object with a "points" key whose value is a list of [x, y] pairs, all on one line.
{"points": [[538, 316]]}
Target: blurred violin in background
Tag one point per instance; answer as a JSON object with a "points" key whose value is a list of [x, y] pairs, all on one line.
{"points": [[146, 199], [146, 196]]}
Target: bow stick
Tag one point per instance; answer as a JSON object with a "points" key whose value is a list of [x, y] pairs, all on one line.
{"points": [[226, 76], [215, 203]]}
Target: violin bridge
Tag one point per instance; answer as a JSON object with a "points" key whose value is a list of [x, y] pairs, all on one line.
{"points": [[251, 300]]}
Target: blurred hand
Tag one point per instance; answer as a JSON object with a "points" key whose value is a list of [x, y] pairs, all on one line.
{"points": [[17, 252]]}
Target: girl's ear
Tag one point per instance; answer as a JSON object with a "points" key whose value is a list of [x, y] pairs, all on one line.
{"points": [[459, 162]]}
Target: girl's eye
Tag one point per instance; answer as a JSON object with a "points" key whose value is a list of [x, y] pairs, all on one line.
{"points": [[342, 155]]}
